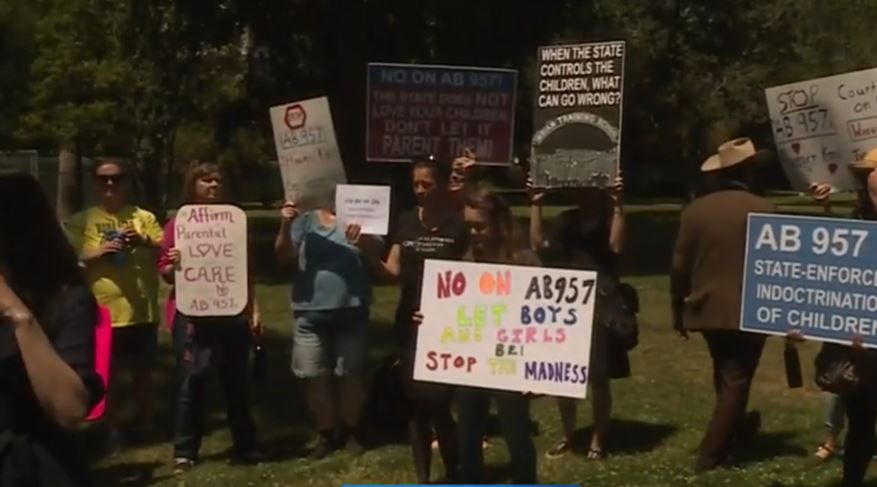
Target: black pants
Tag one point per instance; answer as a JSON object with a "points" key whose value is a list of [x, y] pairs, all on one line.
{"points": [[224, 345], [473, 406], [859, 444], [735, 356]]}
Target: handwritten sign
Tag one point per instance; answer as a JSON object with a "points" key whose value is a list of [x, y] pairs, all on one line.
{"points": [[367, 206], [577, 115], [821, 125], [524, 329], [419, 110], [213, 279], [815, 275], [307, 151]]}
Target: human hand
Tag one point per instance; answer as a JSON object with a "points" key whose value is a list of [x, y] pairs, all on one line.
{"points": [[820, 192], [175, 257], [112, 246], [795, 336], [12, 309], [256, 328], [536, 194], [459, 167], [616, 190], [858, 343], [417, 318], [289, 212], [130, 235], [353, 232]]}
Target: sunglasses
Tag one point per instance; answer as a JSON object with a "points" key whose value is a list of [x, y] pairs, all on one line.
{"points": [[114, 178]]}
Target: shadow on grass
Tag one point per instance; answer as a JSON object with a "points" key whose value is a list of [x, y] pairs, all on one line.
{"points": [[770, 445], [626, 437], [139, 474]]}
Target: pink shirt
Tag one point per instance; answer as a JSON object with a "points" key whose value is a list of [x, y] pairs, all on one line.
{"points": [[170, 309]]}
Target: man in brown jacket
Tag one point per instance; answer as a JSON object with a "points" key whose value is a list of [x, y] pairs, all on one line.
{"points": [[706, 284]]}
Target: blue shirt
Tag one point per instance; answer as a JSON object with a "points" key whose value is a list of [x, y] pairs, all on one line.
{"points": [[330, 272]]}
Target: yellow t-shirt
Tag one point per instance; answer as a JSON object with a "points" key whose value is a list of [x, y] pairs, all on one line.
{"points": [[127, 284]]}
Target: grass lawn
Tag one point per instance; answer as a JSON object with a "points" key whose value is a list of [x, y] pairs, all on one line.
{"points": [[660, 412]]}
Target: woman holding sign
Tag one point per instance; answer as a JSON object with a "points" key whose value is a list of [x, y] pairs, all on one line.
{"points": [[590, 237], [860, 403], [204, 343], [331, 295], [492, 239], [434, 229]]}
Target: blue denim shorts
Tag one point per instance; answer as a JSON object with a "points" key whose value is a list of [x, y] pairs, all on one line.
{"points": [[328, 342]]}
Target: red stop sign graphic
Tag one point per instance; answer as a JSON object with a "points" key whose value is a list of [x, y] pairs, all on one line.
{"points": [[295, 117]]}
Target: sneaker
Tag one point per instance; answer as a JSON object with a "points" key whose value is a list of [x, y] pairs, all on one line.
{"points": [[321, 450], [354, 447], [183, 465], [559, 450]]}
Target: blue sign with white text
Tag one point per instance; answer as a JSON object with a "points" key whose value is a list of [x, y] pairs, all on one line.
{"points": [[814, 275]]}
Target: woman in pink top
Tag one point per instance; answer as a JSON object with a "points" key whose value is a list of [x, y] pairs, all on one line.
{"points": [[206, 343]]}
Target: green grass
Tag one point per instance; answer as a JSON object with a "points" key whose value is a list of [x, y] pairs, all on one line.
{"points": [[660, 412]]}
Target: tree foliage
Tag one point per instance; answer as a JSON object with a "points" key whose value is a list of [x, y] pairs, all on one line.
{"points": [[162, 80]]}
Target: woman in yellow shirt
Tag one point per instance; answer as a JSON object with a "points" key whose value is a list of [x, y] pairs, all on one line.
{"points": [[118, 243]]}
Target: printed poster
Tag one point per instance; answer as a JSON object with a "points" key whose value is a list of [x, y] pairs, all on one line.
{"points": [[416, 110], [577, 115], [813, 275]]}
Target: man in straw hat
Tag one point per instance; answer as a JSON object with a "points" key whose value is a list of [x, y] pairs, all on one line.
{"points": [[706, 282]]}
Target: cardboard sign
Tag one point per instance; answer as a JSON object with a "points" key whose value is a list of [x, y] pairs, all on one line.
{"points": [[525, 329], [213, 278], [419, 110], [307, 152], [814, 275], [367, 206], [577, 115], [822, 125]]}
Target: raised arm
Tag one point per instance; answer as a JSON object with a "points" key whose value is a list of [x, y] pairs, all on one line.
{"points": [[537, 234], [617, 229], [285, 250], [52, 370]]}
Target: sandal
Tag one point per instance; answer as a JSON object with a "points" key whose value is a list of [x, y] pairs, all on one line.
{"points": [[596, 454], [824, 452], [559, 450]]}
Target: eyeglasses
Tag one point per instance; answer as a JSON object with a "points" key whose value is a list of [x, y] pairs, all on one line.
{"points": [[111, 178]]}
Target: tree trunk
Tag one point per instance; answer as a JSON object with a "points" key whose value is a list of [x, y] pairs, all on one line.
{"points": [[68, 181]]}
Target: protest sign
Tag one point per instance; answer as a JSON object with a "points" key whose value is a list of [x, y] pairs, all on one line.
{"points": [[821, 125], [577, 115], [367, 206], [212, 279], [814, 275], [524, 329], [419, 110], [307, 151]]}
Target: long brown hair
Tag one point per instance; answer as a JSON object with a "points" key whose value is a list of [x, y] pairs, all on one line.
{"points": [[500, 218], [40, 261], [196, 171]]}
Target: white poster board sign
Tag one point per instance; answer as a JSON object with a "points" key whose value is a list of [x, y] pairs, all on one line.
{"points": [[213, 279], [821, 125], [525, 329], [367, 206], [307, 152]]}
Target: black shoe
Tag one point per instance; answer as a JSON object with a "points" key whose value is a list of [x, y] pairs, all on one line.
{"points": [[252, 457], [353, 446], [749, 428], [322, 449]]}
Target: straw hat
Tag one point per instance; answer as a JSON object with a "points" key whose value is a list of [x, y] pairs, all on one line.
{"points": [[732, 153], [867, 164]]}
